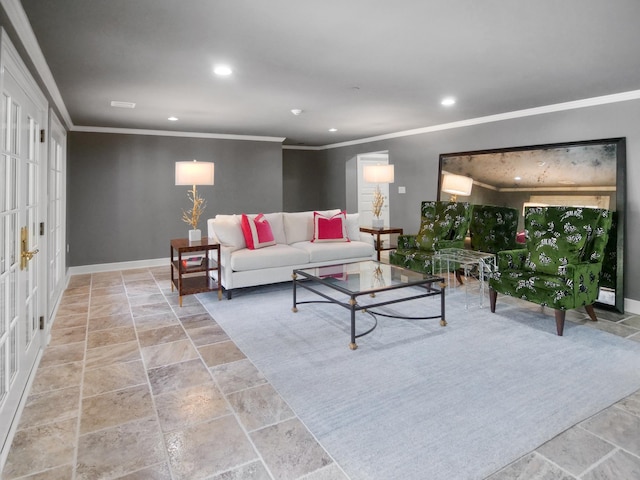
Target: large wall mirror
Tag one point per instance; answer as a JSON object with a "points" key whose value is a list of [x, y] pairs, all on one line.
{"points": [[588, 173]]}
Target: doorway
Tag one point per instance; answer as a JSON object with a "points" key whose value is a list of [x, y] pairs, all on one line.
{"points": [[366, 190]]}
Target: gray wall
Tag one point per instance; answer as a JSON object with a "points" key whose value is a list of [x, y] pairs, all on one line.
{"points": [[123, 204], [303, 178], [416, 159]]}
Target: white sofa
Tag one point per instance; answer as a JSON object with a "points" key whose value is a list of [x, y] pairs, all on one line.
{"points": [[293, 232]]}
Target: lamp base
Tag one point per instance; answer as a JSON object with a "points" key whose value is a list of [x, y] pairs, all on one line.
{"points": [[195, 235], [377, 222]]}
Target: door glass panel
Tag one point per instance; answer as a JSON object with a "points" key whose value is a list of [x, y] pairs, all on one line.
{"points": [[32, 138], [14, 130], [13, 351], [12, 189], [3, 244], [3, 308], [3, 183], [12, 237], [3, 370], [6, 102], [12, 296]]}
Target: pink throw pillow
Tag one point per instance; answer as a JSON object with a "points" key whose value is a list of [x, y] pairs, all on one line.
{"points": [[257, 232], [330, 229]]}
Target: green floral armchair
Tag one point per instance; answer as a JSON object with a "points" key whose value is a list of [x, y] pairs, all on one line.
{"points": [[561, 262], [493, 229], [443, 225]]}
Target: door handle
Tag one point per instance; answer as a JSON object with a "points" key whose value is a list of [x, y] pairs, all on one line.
{"points": [[25, 254]]}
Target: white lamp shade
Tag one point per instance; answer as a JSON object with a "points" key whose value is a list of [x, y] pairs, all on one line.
{"points": [[457, 184], [378, 173], [194, 173]]}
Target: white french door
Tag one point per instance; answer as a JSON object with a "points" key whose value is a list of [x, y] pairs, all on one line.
{"points": [[56, 212], [22, 254]]}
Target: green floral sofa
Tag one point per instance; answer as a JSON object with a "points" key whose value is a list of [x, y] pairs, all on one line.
{"points": [[443, 225], [560, 263]]}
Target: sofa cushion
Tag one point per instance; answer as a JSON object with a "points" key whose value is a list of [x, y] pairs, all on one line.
{"points": [[298, 226], [330, 229], [277, 226], [325, 252], [257, 232], [275, 256], [228, 230], [353, 226]]}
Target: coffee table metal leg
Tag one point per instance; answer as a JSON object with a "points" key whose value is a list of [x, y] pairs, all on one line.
{"points": [[353, 303], [443, 321], [295, 304]]}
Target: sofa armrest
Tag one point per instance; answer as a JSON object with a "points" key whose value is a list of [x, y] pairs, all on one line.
{"points": [[449, 244], [511, 259], [210, 232]]}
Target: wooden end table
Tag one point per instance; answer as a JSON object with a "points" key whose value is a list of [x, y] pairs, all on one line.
{"points": [[193, 276], [381, 231]]}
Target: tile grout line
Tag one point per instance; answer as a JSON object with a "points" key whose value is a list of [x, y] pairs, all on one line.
{"points": [[165, 450], [76, 448]]}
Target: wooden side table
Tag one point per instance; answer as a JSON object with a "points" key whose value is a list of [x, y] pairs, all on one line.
{"points": [[382, 231], [193, 276]]}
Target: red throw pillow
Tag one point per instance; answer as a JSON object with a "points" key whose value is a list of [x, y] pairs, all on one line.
{"points": [[330, 229], [257, 232]]}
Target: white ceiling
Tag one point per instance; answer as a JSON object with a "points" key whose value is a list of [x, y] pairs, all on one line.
{"points": [[365, 67]]}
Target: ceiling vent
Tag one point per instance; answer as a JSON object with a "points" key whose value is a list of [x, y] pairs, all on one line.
{"points": [[117, 104]]}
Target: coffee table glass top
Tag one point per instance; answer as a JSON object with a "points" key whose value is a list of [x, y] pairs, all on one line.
{"points": [[367, 276]]}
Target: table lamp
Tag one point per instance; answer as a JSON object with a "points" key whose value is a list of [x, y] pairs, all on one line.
{"points": [[378, 174], [194, 173], [456, 185]]}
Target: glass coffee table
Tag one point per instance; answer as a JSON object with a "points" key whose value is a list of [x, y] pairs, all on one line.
{"points": [[346, 282]]}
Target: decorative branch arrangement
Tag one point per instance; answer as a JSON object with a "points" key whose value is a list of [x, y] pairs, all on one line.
{"points": [[378, 202], [192, 217]]}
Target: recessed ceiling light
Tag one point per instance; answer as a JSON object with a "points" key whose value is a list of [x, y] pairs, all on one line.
{"points": [[448, 101], [333, 129], [517, 179], [296, 111], [222, 70], [566, 182], [118, 104], [173, 119]]}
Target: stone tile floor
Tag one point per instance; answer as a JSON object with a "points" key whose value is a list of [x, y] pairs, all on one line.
{"points": [[134, 387]]}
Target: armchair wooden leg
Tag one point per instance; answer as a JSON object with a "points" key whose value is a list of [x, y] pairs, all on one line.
{"points": [[591, 312], [493, 295], [560, 314]]}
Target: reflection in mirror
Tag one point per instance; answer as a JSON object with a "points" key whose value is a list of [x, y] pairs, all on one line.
{"points": [[588, 174]]}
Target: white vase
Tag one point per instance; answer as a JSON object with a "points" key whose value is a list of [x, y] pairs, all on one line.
{"points": [[195, 235], [377, 222]]}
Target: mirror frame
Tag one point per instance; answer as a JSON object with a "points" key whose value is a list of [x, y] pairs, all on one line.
{"points": [[621, 175]]}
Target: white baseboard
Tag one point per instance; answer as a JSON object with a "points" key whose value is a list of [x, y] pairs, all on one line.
{"points": [[110, 267], [631, 306]]}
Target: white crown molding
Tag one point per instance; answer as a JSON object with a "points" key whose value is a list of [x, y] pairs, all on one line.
{"points": [[529, 112], [301, 147], [20, 22], [171, 133]]}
